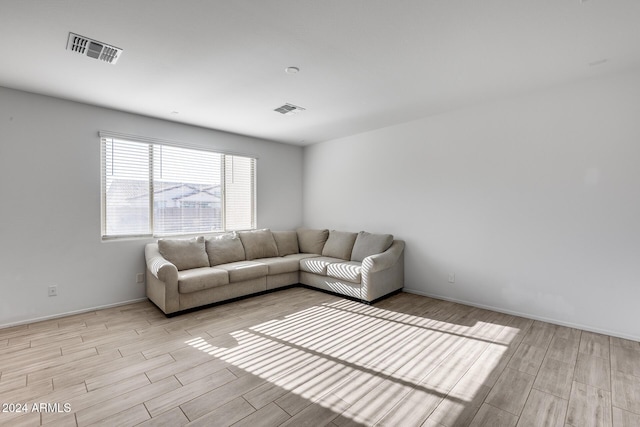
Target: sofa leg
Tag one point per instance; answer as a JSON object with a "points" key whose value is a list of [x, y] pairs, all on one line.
{"points": [[390, 294]]}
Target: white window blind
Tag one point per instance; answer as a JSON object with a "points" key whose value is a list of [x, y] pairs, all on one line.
{"points": [[151, 189], [240, 192], [126, 190]]}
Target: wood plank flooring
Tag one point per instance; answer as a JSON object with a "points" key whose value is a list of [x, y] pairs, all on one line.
{"points": [[300, 357]]}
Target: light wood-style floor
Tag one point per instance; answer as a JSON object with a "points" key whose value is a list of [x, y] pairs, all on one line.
{"points": [[300, 357]]}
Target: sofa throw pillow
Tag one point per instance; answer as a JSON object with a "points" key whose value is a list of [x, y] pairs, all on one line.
{"points": [[223, 248], [339, 244], [368, 244], [287, 242], [184, 253], [258, 244], [312, 241]]}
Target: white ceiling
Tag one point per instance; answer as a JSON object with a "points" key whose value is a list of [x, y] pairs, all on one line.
{"points": [[364, 64]]}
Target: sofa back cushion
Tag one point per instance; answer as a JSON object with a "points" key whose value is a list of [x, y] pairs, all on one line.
{"points": [[287, 242], [184, 253], [339, 244], [370, 244], [258, 244], [312, 241], [224, 248]]}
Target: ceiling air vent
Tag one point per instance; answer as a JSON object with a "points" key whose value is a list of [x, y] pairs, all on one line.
{"points": [[289, 109], [93, 49]]}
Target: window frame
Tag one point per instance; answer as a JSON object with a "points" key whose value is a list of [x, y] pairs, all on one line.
{"points": [[151, 143]]}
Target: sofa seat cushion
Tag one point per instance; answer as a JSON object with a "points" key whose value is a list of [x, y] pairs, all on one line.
{"points": [[298, 257], [350, 271], [197, 279], [280, 265], [317, 265], [244, 270]]}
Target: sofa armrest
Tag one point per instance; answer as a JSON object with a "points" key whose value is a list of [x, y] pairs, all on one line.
{"points": [[159, 266], [383, 273], [162, 280], [386, 259]]}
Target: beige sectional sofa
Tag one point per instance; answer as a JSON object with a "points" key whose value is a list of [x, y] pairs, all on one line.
{"points": [[183, 274]]}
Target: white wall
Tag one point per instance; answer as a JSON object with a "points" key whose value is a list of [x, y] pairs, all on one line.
{"points": [[533, 203], [50, 202]]}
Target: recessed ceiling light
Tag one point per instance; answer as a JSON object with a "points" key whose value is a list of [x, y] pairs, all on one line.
{"points": [[292, 70]]}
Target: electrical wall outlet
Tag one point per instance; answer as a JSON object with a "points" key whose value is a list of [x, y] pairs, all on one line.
{"points": [[140, 278], [53, 291], [452, 277]]}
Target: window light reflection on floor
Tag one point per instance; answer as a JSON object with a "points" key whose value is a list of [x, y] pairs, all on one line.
{"points": [[367, 357]]}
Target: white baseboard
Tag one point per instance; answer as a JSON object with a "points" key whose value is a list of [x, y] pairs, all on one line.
{"points": [[70, 313], [588, 328], [410, 291]]}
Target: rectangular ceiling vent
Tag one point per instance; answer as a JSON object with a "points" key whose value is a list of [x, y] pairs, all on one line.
{"points": [[289, 109], [93, 49]]}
